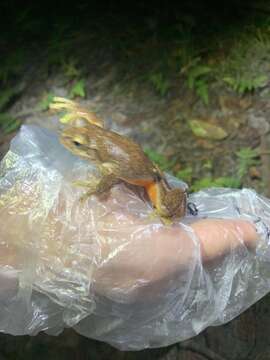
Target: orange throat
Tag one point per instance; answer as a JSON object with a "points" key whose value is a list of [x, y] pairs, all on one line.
{"points": [[153, 193]]}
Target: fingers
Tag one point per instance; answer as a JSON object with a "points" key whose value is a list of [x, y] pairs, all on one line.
{"points": [[117, 242], [219, 236]]}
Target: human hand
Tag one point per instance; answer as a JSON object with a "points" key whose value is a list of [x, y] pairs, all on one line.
{"points": [[77, 255]]}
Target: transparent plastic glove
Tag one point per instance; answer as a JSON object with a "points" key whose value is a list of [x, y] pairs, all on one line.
{"points": [[108, 270]]}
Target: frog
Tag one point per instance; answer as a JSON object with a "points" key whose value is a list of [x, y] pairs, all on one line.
{"points": [[119, 159]]}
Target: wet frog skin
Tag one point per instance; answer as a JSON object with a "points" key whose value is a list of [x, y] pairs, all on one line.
{"points": [[119, 159]]}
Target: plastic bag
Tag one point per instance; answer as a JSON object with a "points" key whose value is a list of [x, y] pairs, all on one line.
{"points": [[69, 264]]}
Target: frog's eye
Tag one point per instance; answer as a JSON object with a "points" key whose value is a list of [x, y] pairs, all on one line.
{"points": [[78, 140], [77, 144]]}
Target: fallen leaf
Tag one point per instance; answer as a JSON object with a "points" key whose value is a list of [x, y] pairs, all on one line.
{"points": [[206, 130]]}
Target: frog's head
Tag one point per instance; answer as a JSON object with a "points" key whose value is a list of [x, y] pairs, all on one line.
{"points": [[77, 140], [171, 202]]}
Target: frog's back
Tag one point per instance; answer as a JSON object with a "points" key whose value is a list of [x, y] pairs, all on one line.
{"points": [[129, 161]]}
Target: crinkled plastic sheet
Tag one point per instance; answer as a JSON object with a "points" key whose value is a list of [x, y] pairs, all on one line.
{"points": [[60, 259]]}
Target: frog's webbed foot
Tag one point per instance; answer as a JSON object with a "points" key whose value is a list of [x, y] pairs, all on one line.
{"points": [[75, 112], [60, 103], [87, 195]]}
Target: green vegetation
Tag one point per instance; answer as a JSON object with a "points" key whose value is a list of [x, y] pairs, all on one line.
{"points": [[206, 130], [197, 80], [78, 89], [46, 101], [71, 68], [7, 95], [207, 182], [198, 54], [185, 174], [11, 65], [163, 162], [8, 124], [185, 50], [160, 82], [245, 159], [243, 85]]}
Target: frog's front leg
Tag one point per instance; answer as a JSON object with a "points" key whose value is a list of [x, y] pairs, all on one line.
{"points": [[84, 183], [156, 215], [99, 188]]}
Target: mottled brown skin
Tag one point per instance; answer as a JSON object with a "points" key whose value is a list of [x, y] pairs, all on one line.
{"points": [[118, 158], [121, 159]]}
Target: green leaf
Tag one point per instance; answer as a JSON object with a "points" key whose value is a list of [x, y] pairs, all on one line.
{"points": [[202, 91], [202, 183], [199, 70], [78, 89], [197, 80], [260, 81], [185, 174], [208, 182], [205, 130], [245, 83], [8, 124], [160, 83], [71, 68], [247, 153], [229, 80], [226, 181], [7, 95], [247, 157], [46, 101], [190, 82], [159, 159]]}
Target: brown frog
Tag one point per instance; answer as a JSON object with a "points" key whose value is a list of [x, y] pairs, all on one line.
{"points": [[120, 159]]}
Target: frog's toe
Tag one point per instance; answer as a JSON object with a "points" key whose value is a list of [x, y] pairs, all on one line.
{"points": [[83, 199], [154, 215], [85, 196], [166, 221], [80, 183]]}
